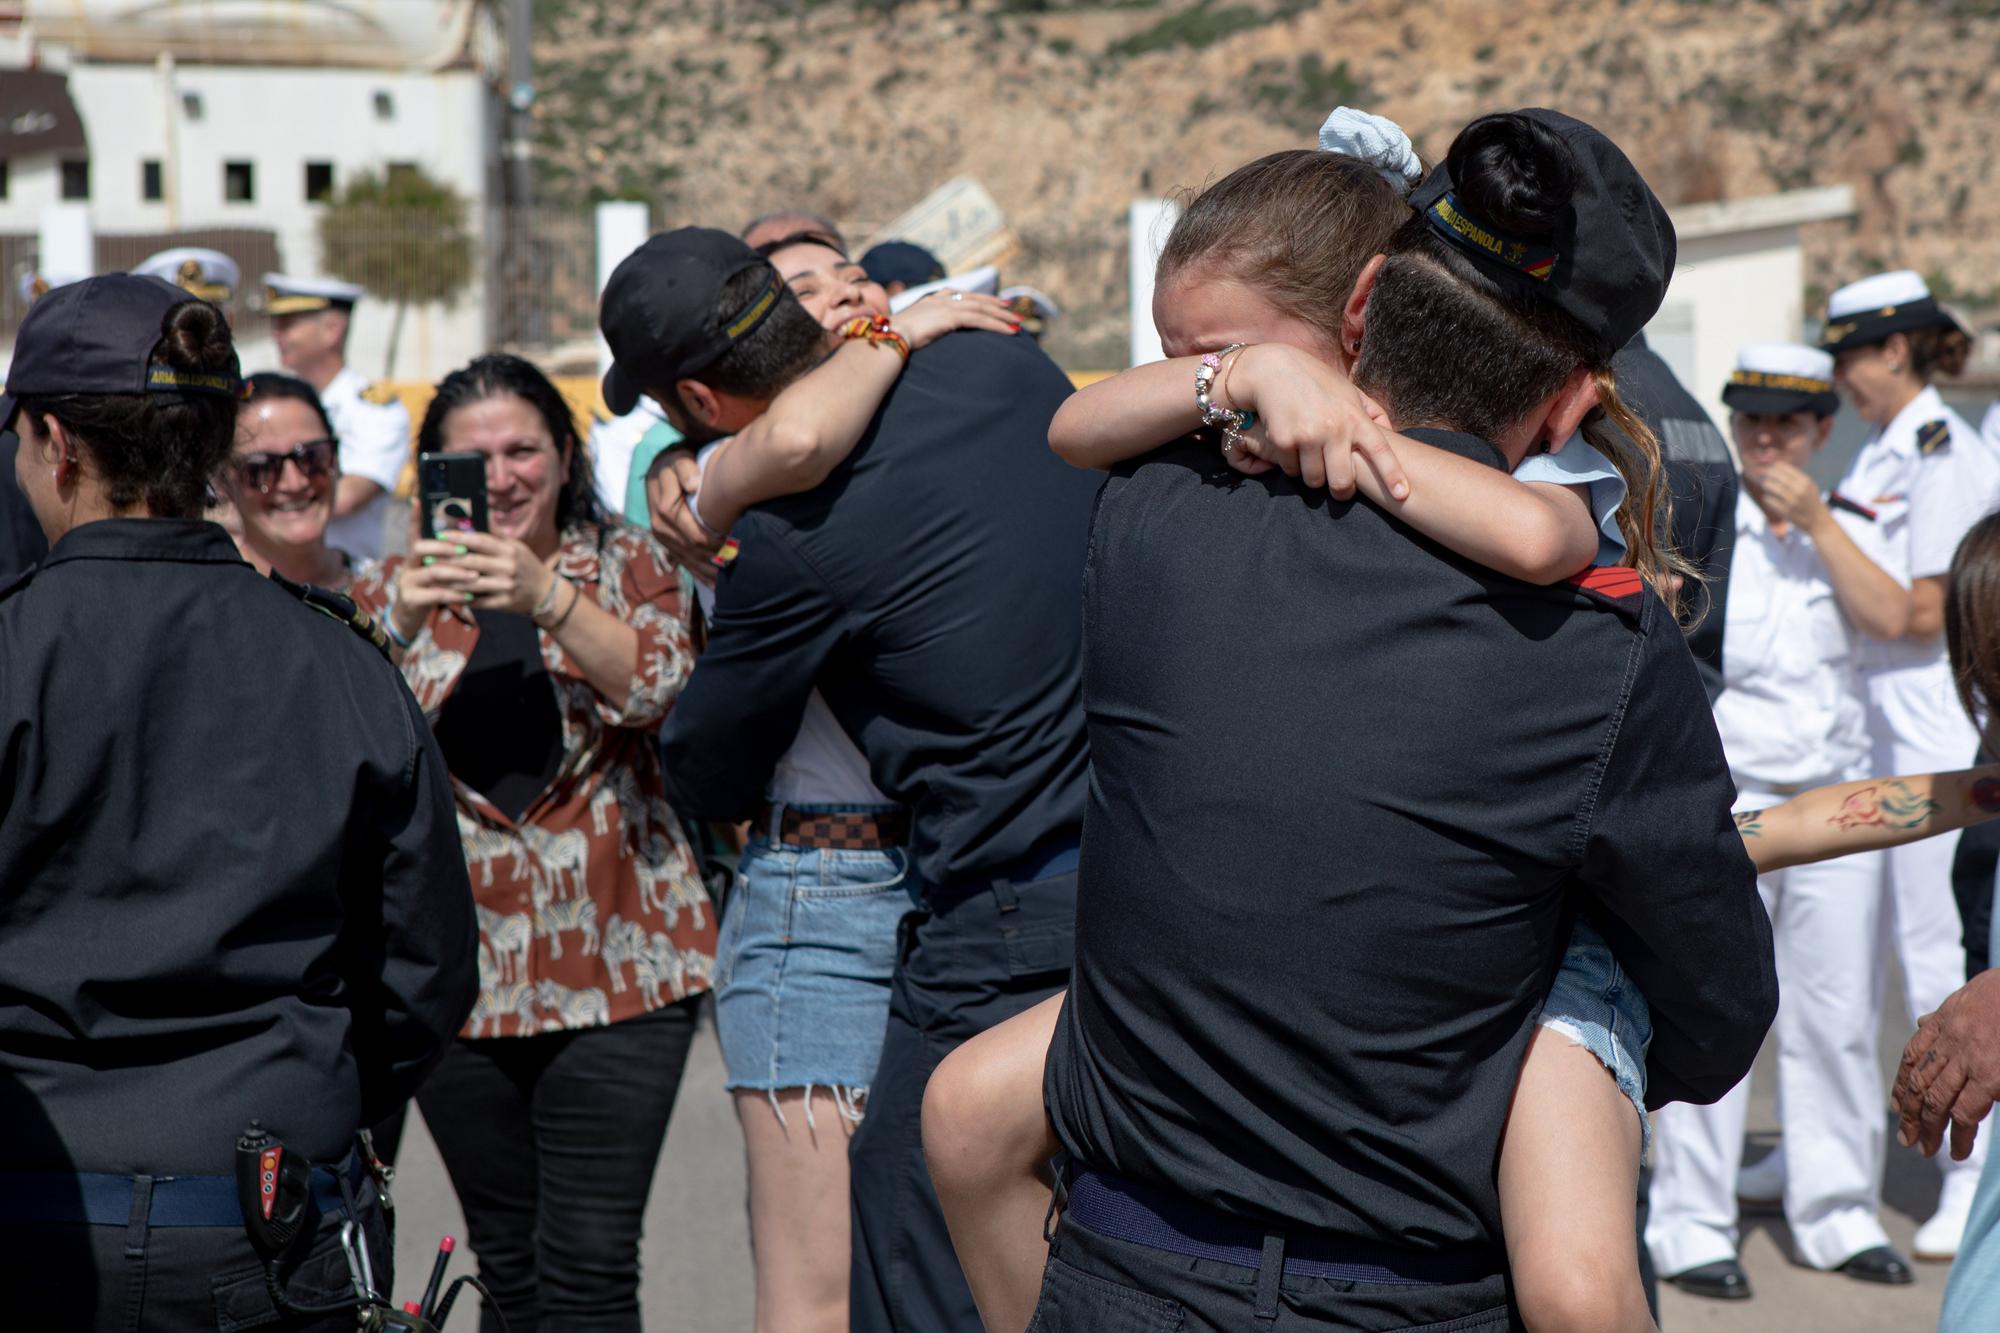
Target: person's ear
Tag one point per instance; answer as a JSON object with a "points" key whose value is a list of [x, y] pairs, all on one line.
{"points": [[1354, 318], [1822, 432], [1568, 406], [700, 402], [59, 449], [1896, 353]]}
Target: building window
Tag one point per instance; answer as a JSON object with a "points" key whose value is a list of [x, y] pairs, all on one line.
{"points": [[319, 182], [401, 173], [76, 179], [239, 183], [152, 188], [191, 105], [385, 105], [3, 178]]}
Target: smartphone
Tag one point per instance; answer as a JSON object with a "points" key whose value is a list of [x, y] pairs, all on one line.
{"points": [[452, 490]]}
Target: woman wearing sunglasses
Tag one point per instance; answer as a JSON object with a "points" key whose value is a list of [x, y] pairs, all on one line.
{"points": [[280, 477]]}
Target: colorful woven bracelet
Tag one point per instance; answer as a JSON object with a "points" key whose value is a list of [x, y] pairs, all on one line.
{"points": [[878, 332]]}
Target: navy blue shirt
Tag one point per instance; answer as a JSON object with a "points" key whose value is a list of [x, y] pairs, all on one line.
{"points": [[1345, 789], [931, 588]]}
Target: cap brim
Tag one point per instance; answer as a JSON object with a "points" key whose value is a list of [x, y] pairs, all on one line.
{"points": [[1778, 402], [8, 402], [620, 394]]}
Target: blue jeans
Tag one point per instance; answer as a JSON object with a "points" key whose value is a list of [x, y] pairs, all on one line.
{"points": [[1594, 1004], [803, 966]]}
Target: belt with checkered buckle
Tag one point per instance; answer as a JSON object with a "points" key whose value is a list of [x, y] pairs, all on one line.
{"points": [[835, 830]]}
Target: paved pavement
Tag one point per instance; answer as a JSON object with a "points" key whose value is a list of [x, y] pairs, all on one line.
{"points": [[697, 1248]]}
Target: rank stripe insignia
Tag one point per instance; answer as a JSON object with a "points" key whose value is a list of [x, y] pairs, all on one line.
{"points": [[726, 553], [1933, 436], [1838, 501], [1617, 582]]}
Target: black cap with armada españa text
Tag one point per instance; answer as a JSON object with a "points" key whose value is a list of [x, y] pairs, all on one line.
{"points": [[98, 336], [1612, 252], [662, 310]]}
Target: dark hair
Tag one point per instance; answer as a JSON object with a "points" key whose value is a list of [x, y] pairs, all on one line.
{"points": [[818, 222], [786, 345], [1451, 343], [498, 373], [1938, 351], [1297, 227], [270, 385], [157, 449], [1972, 620], [825, 240]]}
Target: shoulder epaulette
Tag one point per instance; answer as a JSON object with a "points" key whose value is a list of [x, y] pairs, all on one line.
{"points": [[1618, 584], [1838, 501], [1933, 437], [379, 394], [339, 607]]}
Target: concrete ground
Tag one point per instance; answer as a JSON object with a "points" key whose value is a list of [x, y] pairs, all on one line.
{"points": [[697, 1248]]}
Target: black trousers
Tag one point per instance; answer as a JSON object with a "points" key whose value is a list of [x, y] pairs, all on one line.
{"points": [[136, 1279], [971, 962], [551, 1142], [1094, 1284]]}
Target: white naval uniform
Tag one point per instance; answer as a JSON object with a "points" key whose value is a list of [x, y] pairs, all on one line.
{"points": [[1792, 715], [1925, 504], [374, 443]]}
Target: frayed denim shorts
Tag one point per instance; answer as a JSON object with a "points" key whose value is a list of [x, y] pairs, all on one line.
{"points": [[1594, 1004], [803, 965]]}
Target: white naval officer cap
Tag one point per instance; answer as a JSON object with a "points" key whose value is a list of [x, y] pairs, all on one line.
{"points": [[287, 295], [1778, 379], [984, 280], [209, 274], [1868, 311]]}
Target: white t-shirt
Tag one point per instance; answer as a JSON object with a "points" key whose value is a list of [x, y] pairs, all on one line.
{"points": [[374, 443]]}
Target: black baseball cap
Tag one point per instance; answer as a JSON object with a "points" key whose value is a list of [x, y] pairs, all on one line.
{"points": [[901, 261], [98, 336], [660, 310], [1612, 252]]}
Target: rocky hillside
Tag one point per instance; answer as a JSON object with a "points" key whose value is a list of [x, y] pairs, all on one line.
{"points": [[717, 109]]}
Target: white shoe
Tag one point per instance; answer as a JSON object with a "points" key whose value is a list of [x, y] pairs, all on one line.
{"points": [[1938, 1239], [1762, 1184]]}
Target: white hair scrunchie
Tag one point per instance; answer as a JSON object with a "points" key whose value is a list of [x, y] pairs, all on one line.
{"points": [[1376, 140]]}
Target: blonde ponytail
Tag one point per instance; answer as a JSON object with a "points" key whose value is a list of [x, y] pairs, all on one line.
{"points": [[1645, 520]]}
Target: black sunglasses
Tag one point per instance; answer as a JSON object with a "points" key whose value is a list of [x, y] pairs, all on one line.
{"points": [[261, 471]]}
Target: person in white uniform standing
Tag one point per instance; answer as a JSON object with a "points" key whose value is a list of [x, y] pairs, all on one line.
{"points": [[309, 319], [1792, 714], [1929, 478]]}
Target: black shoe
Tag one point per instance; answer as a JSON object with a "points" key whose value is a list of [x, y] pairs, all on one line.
{"points": [[1723, 1280], [1880, 1264]]}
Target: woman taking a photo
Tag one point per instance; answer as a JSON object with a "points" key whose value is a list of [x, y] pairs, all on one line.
{"points": [[545, 652]]}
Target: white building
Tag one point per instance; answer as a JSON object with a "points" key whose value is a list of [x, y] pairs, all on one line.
{"points": [[227, 123]]}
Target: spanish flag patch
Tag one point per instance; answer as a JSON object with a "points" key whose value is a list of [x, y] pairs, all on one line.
{"points": [[726, 553], [1933, 436], [1617, 582]]}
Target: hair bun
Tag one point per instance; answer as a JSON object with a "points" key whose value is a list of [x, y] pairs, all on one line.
{"points": [[1515, 172], [194, 336]]}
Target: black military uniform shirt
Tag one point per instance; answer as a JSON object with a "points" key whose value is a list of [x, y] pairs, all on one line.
{"points": [[1344, 785], [231, 884], [930, 588]]}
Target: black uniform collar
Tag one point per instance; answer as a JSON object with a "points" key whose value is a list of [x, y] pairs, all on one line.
{"points": [[1462, 444], [186, 540]]}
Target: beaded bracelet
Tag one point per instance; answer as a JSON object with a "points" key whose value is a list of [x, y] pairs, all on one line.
{"points": [[878, 332], [1232, 421]]}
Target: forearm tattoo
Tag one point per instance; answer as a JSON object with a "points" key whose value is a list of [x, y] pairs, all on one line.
{"points": [[1750, 823], [1986, 794], [1890, 805]]}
